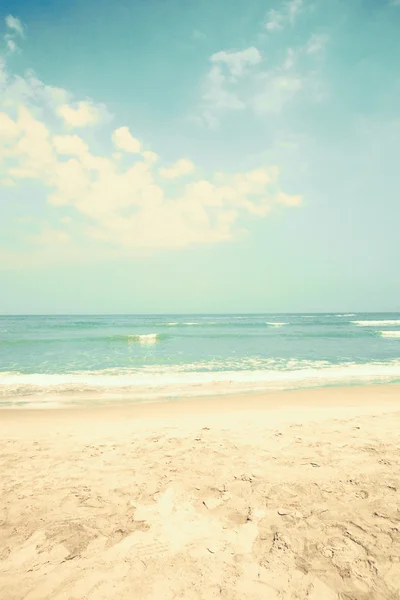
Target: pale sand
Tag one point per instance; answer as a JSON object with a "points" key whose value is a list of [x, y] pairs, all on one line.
{"points": [[283, 495]]}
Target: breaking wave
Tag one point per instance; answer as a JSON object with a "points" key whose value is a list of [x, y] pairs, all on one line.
{"points": [[390, 334], [382, 323]]}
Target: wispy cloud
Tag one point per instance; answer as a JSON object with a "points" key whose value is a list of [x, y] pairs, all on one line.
{"points": [[276, 90], [220, 88], [275, 20], [14, 30], [11, 45], [317, 43], [293, 9], [287, 15], [219, 92], [228, 67], [15, 25], [243, 80], [237, 62]]}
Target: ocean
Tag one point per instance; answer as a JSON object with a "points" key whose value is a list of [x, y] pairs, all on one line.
{"points": [[67, 360]]}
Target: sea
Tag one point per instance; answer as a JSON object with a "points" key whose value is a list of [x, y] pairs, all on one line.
{"points": [[64, 360]]}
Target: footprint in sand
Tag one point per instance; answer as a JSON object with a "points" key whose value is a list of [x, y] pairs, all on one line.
{"points": [[175, 525]]}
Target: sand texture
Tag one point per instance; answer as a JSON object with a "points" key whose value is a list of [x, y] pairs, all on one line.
{"points": [[255, 504]]}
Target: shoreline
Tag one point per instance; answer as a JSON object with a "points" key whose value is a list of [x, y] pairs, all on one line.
{"points": [[272, 408], [241, 400], [99, 388]]}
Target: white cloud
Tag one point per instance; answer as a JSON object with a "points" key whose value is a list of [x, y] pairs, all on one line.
{"points": [[8, 128], [45, 100], [238, 61], [30, 152], [242, 81], [287, 200], [130, 208], [29, 90], [290, 59], [82, 114], [150, 156], [228, 67], [276, 91], [294, 8], [15, 29], [124, 140], [278, 19], [11, 46], [112, 202], [15, 25], [317, 43], [275, 20], [181, 168], [69, 144], [262, 91], [219, 93]]}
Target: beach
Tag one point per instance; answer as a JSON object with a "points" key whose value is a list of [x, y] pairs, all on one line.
{"points": [[289, 494], [199, 307]]}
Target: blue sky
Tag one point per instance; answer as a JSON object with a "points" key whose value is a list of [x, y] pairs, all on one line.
{"points": [[199, 157]]}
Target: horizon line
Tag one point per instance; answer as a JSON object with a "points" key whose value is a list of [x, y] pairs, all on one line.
{"points": [[143, 314]]}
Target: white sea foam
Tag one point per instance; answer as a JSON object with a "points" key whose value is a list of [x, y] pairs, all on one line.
{"points": [[274, 324], [141, 385], [191, 323], [144, 338], [390, 334], [346, 315], [382, 323]]}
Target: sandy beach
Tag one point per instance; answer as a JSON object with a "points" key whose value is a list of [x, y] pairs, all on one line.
{"points": [[265, 496]]}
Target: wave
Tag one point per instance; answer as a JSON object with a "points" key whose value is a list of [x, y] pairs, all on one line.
{"points": [[242, 324], [137, 385], [68, 323], [143, 338], [262, 330], [390, 334], [187, 324], [381, 323], [222, 324], [346, 315]]}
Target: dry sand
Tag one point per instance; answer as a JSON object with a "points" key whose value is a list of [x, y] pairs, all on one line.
{"points": [[284, 495]]}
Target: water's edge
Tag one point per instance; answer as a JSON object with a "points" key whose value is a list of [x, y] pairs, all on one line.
{"points": [[53, 360]]}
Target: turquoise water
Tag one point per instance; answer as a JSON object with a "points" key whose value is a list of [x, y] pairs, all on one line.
{"points": [[56, 358]]}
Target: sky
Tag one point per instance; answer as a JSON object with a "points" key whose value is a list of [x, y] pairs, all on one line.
{"points": [[214, 156]]}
